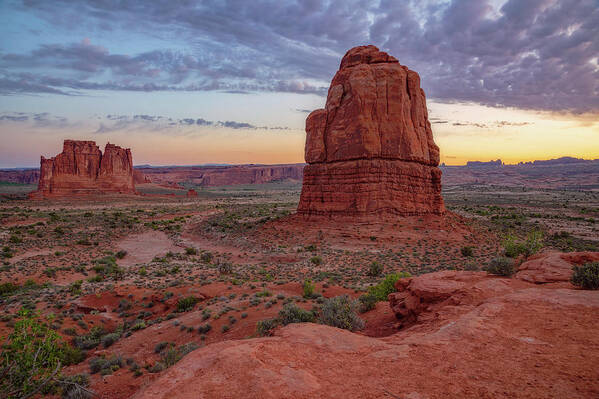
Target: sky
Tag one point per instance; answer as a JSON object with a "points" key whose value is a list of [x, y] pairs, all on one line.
{"points": [[186, 82]]}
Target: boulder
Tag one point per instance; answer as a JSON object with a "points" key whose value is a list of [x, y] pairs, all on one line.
{"points": [[553, 266], [371, 149]]}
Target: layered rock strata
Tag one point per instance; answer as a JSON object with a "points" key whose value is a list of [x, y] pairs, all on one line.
{"points": [[82, 169], [371, 150]]}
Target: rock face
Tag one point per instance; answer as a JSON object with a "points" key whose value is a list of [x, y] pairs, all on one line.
{"points": [[191, 193], [140, 178], [371, 149], [553, 266], [82, 169], [223, 175], [476, 336]]}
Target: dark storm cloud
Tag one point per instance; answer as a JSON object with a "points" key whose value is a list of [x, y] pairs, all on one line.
{"points": [[539, 54]]}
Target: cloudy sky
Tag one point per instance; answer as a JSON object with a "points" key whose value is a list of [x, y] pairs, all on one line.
{"points": [[191, 82]]}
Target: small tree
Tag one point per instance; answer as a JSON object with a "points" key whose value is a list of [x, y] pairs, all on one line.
{"points": [[31, 357]]}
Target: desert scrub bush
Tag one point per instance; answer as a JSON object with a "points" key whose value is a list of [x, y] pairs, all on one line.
{"points": [[90, 340], [467, 251], [586, 276], [367, 302], [107, 267], [308, 288], [265, 327], [514, 247], [340, 312], [120, 254], [104, 365], [207, 257], [109, 339], [291, 313], [75, 287], [501, 266], [7, 289], [204, 328], [316, 260], [31, 357], [225, 268], [191, 251], [375, 269], [170, 354], [263, 293], [382, 290], [186, 304]]}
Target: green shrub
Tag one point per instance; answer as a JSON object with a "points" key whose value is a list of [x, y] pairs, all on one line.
{"points": [[367, 302], [514, 247], [191, 251], [308, 288], [586, 276], [467, 251], [170, 354], [265, 327], [90, 340], [109, 339], [291, 313], [382, 290], [75, 287], [340, 312], [7, 289], [207, 257], [225, 268], [186, 304], [375, 269], [121, 254], [105, 366], [501, 266], [74, 387], [205, 328], [316, 260], [31, 355]]}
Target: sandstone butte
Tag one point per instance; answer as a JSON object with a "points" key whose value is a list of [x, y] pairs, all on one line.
{"points": [[371, 150], [463, 335], [82, 169]]}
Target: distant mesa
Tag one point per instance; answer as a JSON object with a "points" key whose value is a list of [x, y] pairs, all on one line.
{"points": [[371, 150], [82, 169], [478, 164], [191, 193]]}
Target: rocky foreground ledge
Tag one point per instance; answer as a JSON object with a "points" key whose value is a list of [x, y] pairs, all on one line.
{"points": [[471, 335]]}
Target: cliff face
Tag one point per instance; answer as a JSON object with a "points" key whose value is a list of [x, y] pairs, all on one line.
{"points": [[222, 175], [371, 149], [82, 169]]}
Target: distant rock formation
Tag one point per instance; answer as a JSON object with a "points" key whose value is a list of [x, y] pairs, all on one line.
{"points": [[191, 193], [222, 175], [82, 169], [474, 164], [140, 178], [371, 149]]}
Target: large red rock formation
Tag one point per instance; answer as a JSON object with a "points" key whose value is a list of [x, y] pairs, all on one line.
{"points": [[82, 169], [371, 149]]}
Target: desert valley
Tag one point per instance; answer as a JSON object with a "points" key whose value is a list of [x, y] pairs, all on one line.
{"points": [[368, 280], [246, 200]]}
